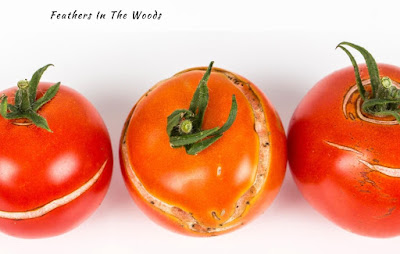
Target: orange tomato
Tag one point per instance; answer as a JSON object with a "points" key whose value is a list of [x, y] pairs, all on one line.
{"points": [[222, 187]]}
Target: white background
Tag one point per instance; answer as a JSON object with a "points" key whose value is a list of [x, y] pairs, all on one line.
{"points": [[284, 47]]}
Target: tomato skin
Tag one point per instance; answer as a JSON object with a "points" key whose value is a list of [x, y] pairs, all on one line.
{"points": [[336, 161], [38, 167], [160, 168]]}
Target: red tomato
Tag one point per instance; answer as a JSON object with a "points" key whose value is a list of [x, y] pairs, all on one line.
{"points": [[345, 161], [51, 181], [222, 187]]}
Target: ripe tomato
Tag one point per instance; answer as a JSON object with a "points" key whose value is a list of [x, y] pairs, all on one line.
{"points": [[225, 185], [51, 181], [344, 160]]}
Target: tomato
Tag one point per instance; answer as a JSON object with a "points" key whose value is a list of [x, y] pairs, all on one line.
{"points": [[51, 181], [345, 160], [220, 188]]}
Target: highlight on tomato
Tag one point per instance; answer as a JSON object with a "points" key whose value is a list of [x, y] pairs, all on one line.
{"points": [[343, 149], [203, 152], [55, 159]]}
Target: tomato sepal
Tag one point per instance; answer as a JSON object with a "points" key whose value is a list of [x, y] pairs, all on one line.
{"points": [[384, 99], [25, 103], [184, 127]]}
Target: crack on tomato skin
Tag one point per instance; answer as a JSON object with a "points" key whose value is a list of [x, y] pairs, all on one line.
{"points": [[388, 171], [367, 180], [347, 97], [347, 100], [242, 204], [149, 91], [389, 212], [21, 122], [215, 216], [391, 172], [345, 148], [45, 209], [368, 185], [263, 162]]}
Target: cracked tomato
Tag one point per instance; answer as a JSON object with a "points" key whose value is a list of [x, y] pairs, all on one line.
{"points": [[203, 152], [341, 145], [55, 159]]}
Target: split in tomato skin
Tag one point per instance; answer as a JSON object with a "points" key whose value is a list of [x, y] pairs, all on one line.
{"points": [[58, 178], [345, 166], [198, 194]]}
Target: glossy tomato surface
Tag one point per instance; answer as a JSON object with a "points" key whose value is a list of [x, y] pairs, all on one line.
{"points": [[220, 188], [345, 162], [52, 181]]}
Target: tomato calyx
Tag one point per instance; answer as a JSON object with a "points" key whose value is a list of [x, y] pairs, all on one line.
{"points": [[384, 98], [184, 125], [25, 103]]}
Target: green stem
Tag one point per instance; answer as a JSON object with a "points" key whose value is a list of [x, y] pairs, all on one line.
{"points": [[386, 82], [385, 97], [184, 126], [26, 105], [23, 86]]}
